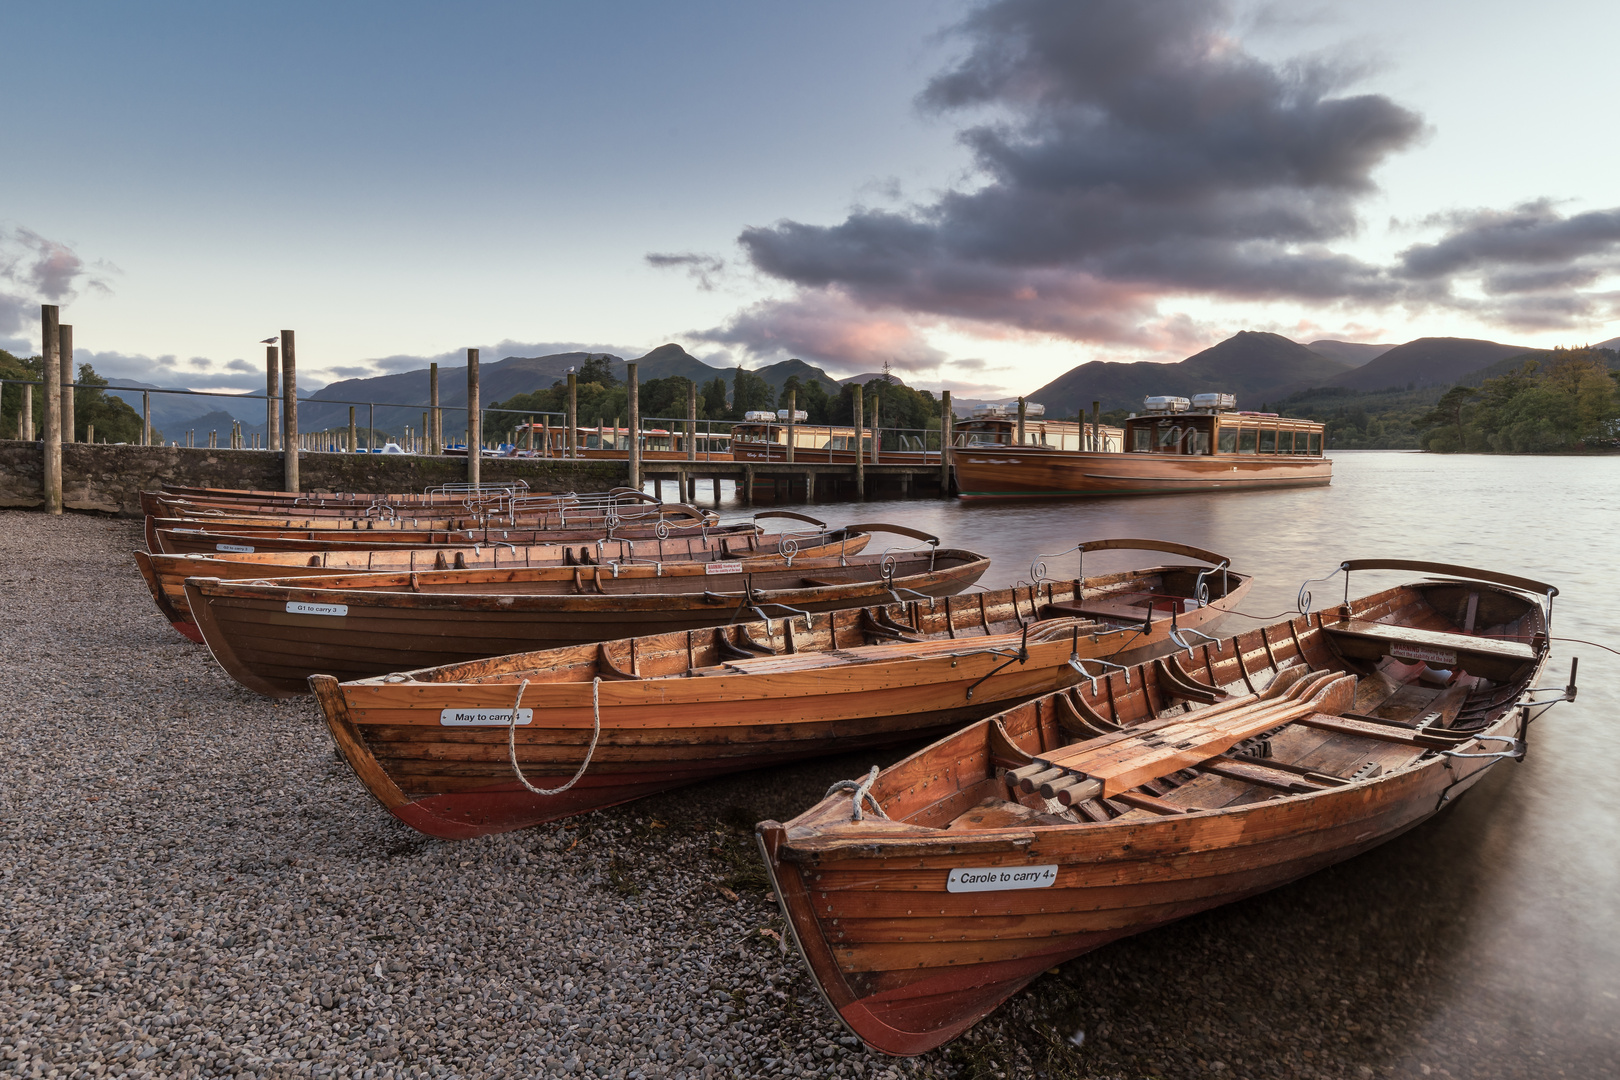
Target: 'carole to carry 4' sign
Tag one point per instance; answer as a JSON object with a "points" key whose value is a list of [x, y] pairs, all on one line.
{"points": [[996, 878]]}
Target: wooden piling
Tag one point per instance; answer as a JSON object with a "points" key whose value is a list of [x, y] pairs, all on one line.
{"points": [[272, 397], [475, 420], [633, 390], [1023, 409], [877, 427], [572, 434], [792, 426], [50, 342], [64, 352], [528, 434], [435, 423], [860, 445], [1097, 440], [545, 435], [947, 422], [25, 419], [289, 413], [691, 428]]}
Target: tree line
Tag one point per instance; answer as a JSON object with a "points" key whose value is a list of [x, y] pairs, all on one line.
{"points": [[601, 396], [1565, 399], [112, 417]]}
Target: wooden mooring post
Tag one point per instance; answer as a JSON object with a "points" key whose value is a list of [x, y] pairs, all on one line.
{"points": [[50, 341], [860, 445], [1023, 409], [633, 391], [354, 446], [272, 399], [569, 450], [475, 420], [435, 422], [64, 351], [1097, 440], [289, 413], [25, 419], [947, 421]]}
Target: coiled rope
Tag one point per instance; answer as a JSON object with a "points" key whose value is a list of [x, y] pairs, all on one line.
{"points": [[862, 789], [596, 733]]}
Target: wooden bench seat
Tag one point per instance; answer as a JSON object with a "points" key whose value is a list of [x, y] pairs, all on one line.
{"points": [[1490, 658]]}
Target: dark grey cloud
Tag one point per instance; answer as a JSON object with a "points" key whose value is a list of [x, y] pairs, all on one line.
{"points": [[1127, 153], [706, 270]]}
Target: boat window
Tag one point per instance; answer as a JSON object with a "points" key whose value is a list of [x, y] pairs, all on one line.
{"points": [[1316, 443], [1285, 441], [1228, 440], [1198, 441], [1170, 437], [1268, 440], [1246, 441], [1141, 439]]}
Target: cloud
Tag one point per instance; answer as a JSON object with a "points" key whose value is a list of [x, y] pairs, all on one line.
{"points": [[1128, 156], [826, 325], [35, 270], [706, 270]]}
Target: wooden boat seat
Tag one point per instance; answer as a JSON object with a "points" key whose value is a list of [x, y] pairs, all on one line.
{"points": [[1128, 607], [1491, 658]]}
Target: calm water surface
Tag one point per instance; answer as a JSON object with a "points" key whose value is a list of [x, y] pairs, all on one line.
{"points": [[1526, 869]]}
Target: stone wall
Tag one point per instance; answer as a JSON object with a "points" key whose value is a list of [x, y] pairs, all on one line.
{"points": [[110, 478]]}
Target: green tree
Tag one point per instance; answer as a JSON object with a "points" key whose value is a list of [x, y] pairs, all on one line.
{"points": [[748, 392], [1448, 410], [597, 369], [713, 403]]}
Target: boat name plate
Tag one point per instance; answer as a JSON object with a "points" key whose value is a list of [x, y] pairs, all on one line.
{"points": [[1443, 657], [999, 878], [240, 549], [299, 607], [483, 717], [722, 568]]}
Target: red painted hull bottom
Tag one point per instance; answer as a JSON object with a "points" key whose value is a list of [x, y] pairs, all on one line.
{"points": [[504, 807], [188, 630]]}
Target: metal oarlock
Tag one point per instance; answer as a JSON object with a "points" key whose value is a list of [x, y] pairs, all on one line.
{"points": [[1178, 637], [1079, 665]]}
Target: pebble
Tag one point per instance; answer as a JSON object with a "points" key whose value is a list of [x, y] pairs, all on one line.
{"points": [[192, 884]]}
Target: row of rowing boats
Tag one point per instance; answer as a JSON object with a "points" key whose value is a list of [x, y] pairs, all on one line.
{"points": [[1105, 762]]}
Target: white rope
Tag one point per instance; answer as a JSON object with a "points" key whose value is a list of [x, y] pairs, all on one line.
{"points": [[862, 789], [596, 733]]}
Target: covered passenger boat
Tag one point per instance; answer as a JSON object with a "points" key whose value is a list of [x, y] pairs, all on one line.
{"points": [[925, 895], [1173, 446], [483, 747]]}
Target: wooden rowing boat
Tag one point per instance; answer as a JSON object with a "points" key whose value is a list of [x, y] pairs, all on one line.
{"points": [[164, 504], [165, 575], [271, 636], [205, 536], [549, 516], [1107, 809], [671, 709]]}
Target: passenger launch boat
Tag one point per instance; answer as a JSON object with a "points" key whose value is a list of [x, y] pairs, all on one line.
{"points": [[166, 574], [937, 888], [271, 636], [483, 747], [1174, 446]]}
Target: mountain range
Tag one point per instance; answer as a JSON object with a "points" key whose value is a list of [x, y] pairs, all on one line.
{"points": [[1258, 367]]}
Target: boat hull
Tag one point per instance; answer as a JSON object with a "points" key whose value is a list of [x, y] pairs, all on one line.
{"points": [[909, 957], [1012, 473], [404, 737]]}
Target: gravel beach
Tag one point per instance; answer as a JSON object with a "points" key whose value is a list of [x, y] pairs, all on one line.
{"points": [[193, 884]]}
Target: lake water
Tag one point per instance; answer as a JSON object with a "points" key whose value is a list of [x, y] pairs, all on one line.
{"points": [[1507, 907]]}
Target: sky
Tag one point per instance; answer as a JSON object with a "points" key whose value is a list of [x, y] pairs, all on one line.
{"points": [[980, 194]]}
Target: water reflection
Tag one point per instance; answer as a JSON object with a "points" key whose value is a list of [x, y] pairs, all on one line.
{"points": [[1493, 927]]}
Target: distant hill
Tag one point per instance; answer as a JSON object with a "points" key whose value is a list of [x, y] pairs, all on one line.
{"points": [[1353, 353], [869, 376], [176, 412], [1612, 343], [1426, 362], [1257, 367]]}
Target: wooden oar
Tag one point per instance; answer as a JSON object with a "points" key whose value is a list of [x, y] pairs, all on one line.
{"points": [[1288, 682], [1105, 772]]}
